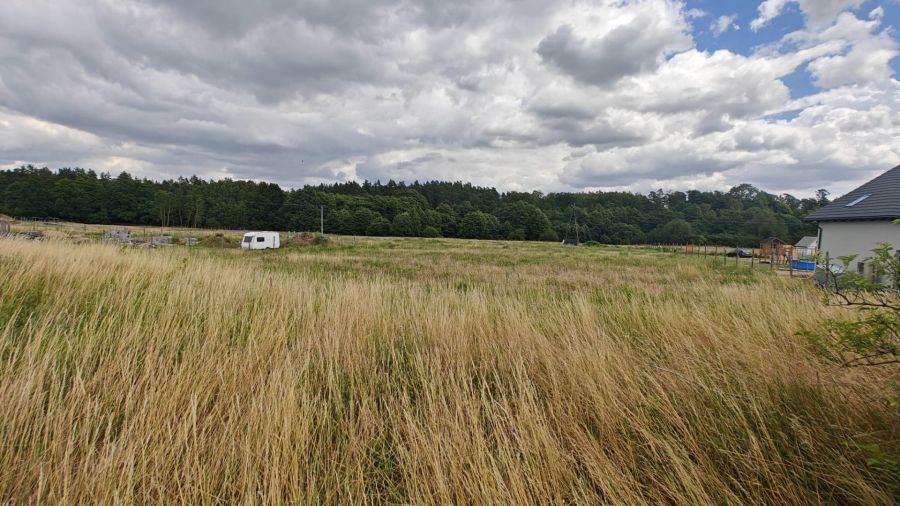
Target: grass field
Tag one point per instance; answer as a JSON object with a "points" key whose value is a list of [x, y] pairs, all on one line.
{"points": [[425, 372]]}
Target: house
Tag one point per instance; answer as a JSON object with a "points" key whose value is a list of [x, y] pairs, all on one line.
{"points": [[857, 222], [773, 247], [806, 247]]}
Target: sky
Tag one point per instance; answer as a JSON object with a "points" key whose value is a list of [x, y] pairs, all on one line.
{"points": [[788, 95]]}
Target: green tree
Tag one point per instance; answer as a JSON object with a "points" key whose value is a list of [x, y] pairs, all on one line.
{"points": [[164, 205], [516, 235], [406, 224], [524, 216], [340, 222], [29, 198], [379, 227], [677, 231], [361, 219], [430, 231], [548, 235], [477, 225]]}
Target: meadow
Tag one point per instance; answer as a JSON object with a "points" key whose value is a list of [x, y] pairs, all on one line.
{"points": [[423, 371]]}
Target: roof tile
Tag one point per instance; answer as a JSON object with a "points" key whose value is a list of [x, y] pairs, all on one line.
{"points": [[883, 202]]}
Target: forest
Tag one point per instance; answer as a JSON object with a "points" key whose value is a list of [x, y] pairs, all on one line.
{"points": [[741, 216]]}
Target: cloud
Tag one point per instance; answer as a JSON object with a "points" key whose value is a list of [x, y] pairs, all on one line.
{"points": [[635, 41], [723, 24], [867, 61], [523, 95], [768, 10], [864, 57], [819, 13], [695, 13]]}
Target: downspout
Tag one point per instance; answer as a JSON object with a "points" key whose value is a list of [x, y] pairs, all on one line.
{"points": [[819, 239]]}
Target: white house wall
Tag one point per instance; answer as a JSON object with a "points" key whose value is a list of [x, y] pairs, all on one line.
{"points": [[841, 238]]}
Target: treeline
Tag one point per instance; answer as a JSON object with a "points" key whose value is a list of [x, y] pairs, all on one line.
{"points": [[741, 216]]}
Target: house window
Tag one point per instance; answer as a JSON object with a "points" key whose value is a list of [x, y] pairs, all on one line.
{"points": [[861, 268], [860, 199]]}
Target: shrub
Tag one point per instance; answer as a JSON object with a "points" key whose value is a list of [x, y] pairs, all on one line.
{"points": [[431, 232], [873, 336], [516, 235], [548, 235]]}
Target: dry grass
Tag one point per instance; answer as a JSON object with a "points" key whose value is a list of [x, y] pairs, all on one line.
{"points": [[416, 371]]}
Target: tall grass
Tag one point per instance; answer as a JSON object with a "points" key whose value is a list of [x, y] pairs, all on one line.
{"points": [[409, 372]]}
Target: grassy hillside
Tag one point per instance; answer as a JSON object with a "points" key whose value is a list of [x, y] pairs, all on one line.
{"points": [[421, 371]]}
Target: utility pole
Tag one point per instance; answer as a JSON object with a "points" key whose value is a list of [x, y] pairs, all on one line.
{"points": [[322, 220]]}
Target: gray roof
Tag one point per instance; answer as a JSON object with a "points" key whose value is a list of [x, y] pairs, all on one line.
{"points": [[882, 203], [807, 241]]}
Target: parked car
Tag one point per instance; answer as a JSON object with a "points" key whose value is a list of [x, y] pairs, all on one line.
{"points": [[739, 252]]}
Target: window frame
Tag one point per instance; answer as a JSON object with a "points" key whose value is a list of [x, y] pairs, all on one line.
{"points": [[859, 200]]}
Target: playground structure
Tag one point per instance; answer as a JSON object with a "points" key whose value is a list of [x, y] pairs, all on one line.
{"points": [[776, 250]]}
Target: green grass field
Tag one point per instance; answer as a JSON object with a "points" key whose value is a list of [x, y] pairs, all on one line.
{"points": [[422, 371]]}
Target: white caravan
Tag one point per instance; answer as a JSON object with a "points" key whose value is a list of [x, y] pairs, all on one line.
{"points": [[261, 240]]}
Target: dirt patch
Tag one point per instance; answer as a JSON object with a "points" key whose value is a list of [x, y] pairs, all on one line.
{"points": [[303, 238]]}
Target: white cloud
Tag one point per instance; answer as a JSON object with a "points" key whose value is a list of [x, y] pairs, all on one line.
{"points": [[695, 13], [867, 62], [819, 13], [768, 10], [864, 57], [723, 24]]}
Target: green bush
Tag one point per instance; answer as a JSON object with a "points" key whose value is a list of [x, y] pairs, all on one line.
{"points": [[548, 235], [516, 235], [872, 337], [431, 232]]}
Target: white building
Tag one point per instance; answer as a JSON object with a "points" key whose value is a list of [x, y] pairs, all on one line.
{"points": [[261, 240], [857, 222], [806, 247]]}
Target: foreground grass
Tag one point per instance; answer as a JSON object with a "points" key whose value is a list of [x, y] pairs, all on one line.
{"points": [[421, 371]]}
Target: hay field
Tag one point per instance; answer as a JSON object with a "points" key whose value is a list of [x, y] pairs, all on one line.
{"points": [[422, 372]]}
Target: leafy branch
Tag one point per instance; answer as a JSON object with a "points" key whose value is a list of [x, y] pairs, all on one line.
{"points": [[872, 338]]}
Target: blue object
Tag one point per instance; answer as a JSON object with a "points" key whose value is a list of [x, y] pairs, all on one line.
{"points": [[803, 265]]}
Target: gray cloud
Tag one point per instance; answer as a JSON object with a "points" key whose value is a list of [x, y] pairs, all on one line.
{"points": [[523, 94], [627, 49]]}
